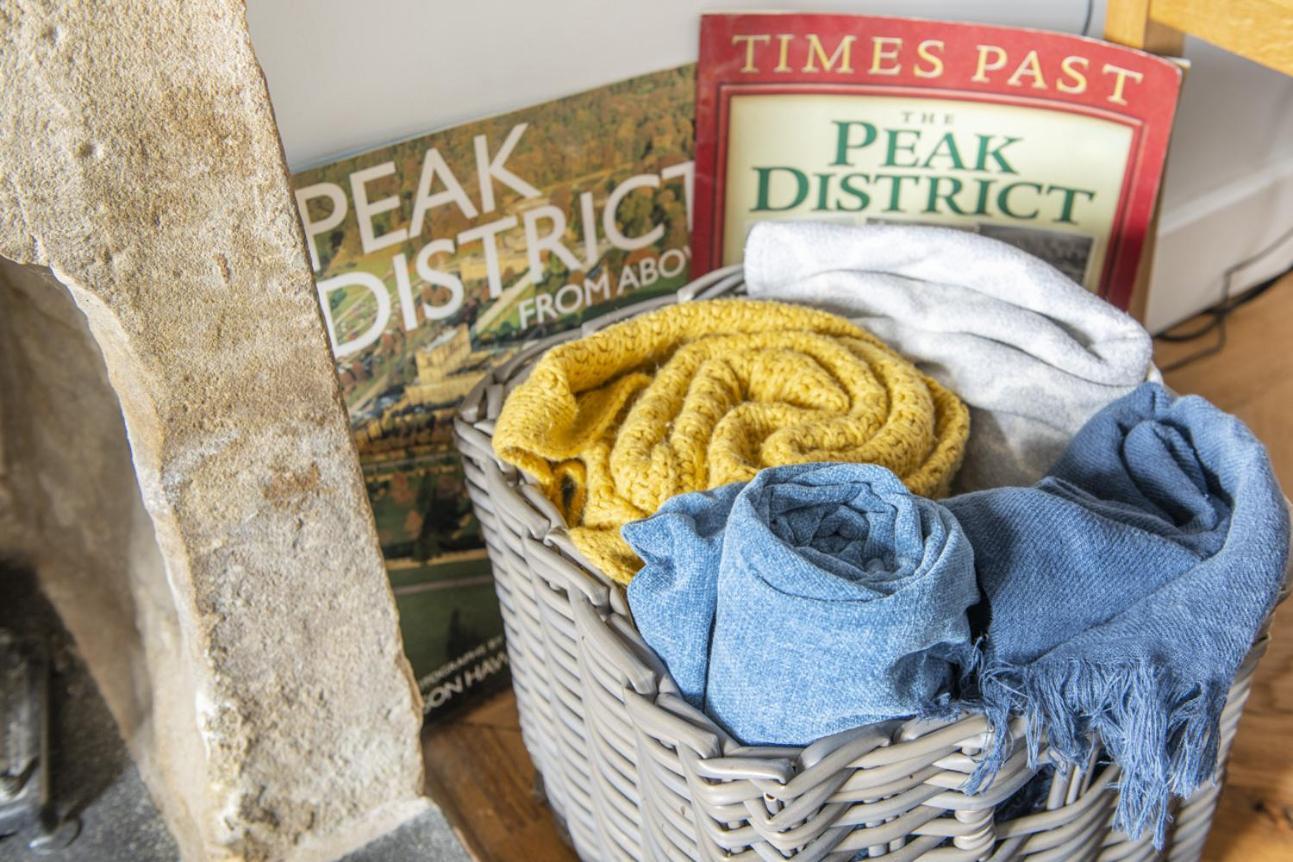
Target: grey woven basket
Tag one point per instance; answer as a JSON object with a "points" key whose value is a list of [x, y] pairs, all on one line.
{"points": [[635, 773]]}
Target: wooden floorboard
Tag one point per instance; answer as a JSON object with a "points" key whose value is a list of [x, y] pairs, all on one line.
{"points": [[1252, 377], [479, 772]]}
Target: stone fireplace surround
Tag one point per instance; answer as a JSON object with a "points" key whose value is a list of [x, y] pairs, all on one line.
{"points": [[175, 462]]}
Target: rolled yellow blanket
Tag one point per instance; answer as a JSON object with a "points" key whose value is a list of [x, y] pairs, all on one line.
{"points": [[700, 394]]}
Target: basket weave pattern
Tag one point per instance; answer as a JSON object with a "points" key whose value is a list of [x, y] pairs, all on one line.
{"points": [[636, 773]]}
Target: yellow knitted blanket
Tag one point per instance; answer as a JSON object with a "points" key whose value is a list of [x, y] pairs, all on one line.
{"points": [[700, 394]]}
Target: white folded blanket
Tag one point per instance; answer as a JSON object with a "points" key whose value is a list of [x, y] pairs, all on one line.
{"points": [[1033, 354]]}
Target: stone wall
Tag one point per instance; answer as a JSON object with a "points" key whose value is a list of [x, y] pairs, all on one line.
{"points": [[75, 513], [177, 461]]}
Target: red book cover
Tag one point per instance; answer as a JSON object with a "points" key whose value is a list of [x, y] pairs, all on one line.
{"points": [[1051, 142]]}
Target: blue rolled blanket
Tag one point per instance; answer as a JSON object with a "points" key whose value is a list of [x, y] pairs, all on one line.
{"points": [[812, 599], [1124, 590]]}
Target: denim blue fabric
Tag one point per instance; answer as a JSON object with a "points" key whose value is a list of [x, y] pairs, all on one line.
{"points": [[1126, 587], [813, 599]]}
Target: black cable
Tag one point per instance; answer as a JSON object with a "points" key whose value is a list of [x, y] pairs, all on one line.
{"points": [[1086, 23], [1220, 310], [1218, 315], [1225, 306]]}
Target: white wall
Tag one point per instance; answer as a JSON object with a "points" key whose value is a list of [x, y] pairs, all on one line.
{"points": [[345, 76], [1229, 187]]}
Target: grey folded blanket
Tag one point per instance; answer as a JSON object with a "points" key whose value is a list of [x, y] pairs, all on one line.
{"points": [[1032, 353]]}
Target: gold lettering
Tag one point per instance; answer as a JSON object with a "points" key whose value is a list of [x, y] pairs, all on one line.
{"points": [[842, 55], [750, 42], [1120, 81], [1031, 67], [1070, 66], [925, 52], [984, 65], [885, 49], [783, 63]]}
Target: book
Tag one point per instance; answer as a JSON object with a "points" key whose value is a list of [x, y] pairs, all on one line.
{"points": [[1051, 142], [435, 258]]}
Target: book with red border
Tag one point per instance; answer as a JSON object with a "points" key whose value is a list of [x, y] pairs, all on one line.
{"points": [[789, 54]]}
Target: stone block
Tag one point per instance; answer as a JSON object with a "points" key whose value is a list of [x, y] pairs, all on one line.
{"points": [[175, 459]]}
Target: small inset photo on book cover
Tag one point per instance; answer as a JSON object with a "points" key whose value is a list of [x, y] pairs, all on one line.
{"points": [[436, 258]]}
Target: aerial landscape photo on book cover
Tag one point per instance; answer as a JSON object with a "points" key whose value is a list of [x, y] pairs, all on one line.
{"points": [[438, 256], [1051, 142]]}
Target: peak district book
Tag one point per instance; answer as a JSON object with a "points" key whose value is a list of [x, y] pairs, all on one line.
{"points": [[1054, 143], [438, 256]]}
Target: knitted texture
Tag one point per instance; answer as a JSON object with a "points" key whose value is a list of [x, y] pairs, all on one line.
{"points": [[700, 394]]}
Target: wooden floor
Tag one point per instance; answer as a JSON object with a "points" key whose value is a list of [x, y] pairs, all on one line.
{"points": [[480, 774]]}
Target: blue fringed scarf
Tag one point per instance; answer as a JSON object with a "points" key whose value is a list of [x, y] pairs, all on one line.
{"points": [[1120, 595], [813, 599], [1125, 589]]}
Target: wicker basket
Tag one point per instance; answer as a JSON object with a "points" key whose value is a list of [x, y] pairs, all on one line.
{"points": [[635, 773]]}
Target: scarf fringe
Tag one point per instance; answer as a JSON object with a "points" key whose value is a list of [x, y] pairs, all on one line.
{"points": [[1163, 732]]}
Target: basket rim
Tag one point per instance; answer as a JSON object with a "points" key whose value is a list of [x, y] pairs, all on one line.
{"points": [[651, 694]]}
